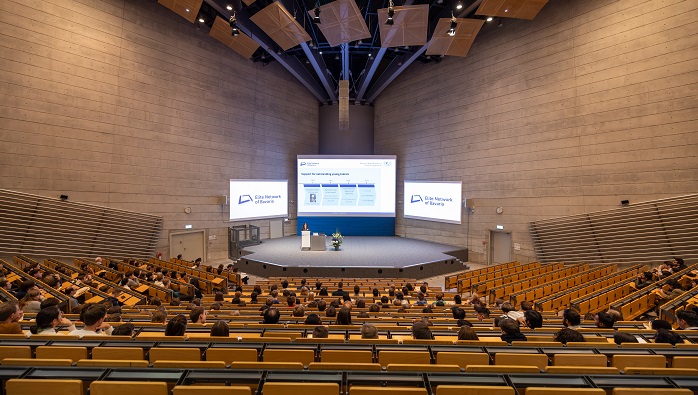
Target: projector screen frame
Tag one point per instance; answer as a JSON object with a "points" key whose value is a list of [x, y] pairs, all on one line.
{"points": [[300, 190], [458, 202], [234, 199]]}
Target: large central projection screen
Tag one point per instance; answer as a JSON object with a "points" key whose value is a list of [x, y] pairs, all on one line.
{"points": [[348, 185]]}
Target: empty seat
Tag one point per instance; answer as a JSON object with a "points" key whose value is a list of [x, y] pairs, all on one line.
{"points": [[281, 355], [651, 391], [228, 355], [36, 362], [278, 388], [55, 352], [41, 386], [127, 353], [353, 356], [663, 371], [473, 390], [502, 369], [174, 354], [15, 352], [113, 363], [210, 390], [343, 366], [685, 362], [580, 360], [416, 367], [363, 390], [564, 391], [622, 361], [503, 358], [267, 365], [462, 359], [581, 370], [128, 387], [162, 363], [387, 357]]}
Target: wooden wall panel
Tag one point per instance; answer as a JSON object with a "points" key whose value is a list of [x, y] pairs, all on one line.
{"points": [[590, 103], [125, 104]]}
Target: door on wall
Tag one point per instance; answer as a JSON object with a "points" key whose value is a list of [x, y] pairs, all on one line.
{"points": [[500, 247], [190, 244], [276, 229]]}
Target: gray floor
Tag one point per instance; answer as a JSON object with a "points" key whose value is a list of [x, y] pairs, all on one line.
{"points": [[355, 252]]}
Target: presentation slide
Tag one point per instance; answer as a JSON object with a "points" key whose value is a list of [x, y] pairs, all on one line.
{"points": [[257, 199], [346, 185], [433, 201]]}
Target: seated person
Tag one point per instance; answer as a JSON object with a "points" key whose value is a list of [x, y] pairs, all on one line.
{"points": [[369, 331], [10, 315], [221, 329], [510, 331], [674, 291], [177, 326], [48, 319], [665, 336], [124, 330], [467, 333], [624, 337], [644, 280], [566, 335], [93, 316], [420, 330], [603, 320], [320, 332]]}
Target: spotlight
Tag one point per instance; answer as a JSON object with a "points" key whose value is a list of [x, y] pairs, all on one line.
{"points": [[391, 13], [452, 30], [490, 19], [187, 10], [234, 25], [229, 7], [201, 20], [316, 18], [459, 6]]}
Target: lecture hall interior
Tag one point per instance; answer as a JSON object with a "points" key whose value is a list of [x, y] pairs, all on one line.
{"points": [[568, 127]]}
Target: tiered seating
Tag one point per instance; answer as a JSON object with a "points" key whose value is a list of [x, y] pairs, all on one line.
{"points": [[595, 292], [545, 274], [461, 281]]}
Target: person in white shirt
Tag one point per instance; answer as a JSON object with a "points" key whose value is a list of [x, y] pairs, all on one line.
{"points": [[93, 316], [48, 319]]}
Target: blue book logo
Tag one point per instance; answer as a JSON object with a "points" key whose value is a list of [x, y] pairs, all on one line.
{"points": [[416, 198], [244, 199]]}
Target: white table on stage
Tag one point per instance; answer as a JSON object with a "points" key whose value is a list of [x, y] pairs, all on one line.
{"points": [[305, 240]]}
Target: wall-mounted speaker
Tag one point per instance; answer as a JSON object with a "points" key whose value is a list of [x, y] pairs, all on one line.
{"points": [[64, 197], [625, 202], [222, 200], [469, 203]]}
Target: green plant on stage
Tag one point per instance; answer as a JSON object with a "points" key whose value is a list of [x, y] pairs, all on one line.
{"points": [[337, 238]]}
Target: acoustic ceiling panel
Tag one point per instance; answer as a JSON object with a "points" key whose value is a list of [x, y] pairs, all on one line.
{"points": [[409, 28], [248, 2], [521, 9], [341, 22], [241, 44], [458, 45], [278, 24], [188, 9]]}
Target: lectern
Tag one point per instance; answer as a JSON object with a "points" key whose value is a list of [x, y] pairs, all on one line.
{"points": [[305, 240]]}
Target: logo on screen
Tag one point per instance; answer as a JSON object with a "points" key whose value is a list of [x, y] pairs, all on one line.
{"points": [[244, 199], [303, 163], [416, 198]]}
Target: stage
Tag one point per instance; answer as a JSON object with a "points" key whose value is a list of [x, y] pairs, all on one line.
{"points": [[359, 256]]}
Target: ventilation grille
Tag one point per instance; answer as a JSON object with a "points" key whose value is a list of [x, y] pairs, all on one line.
{"points": [[39, 226], [648, 232]]}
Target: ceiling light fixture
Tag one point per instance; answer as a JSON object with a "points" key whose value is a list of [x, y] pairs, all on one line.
{"points": [[459, 6], [452, 30], [187, 10], [391, 13], [201, 20], [229, 7], [234, 25], [490, 19], [316, 18]]}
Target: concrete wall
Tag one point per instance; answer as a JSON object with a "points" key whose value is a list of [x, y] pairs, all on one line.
{"points": [[592, 102], [124, 103], [358, 140]]}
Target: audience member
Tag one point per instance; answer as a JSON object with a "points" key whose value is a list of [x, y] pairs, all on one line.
{"points": [[510, 331], [47, 320], [220, 329], [624, 337], [177, 326], [603, 320], [93, 316], [271, 316], [665, 336], [10, 315], [197, 315], [467, 333], [369, 331], [661, 324], [566, 335], [126, 329], [320, 332], [420, 330]]}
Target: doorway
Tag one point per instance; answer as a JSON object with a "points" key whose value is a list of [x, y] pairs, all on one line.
{"points": [[500, 247], [191, 245]]}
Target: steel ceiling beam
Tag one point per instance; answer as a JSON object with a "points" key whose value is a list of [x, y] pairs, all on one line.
{"points": [[314, 57], [292, 64], [395, 68], [366, 81]]}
